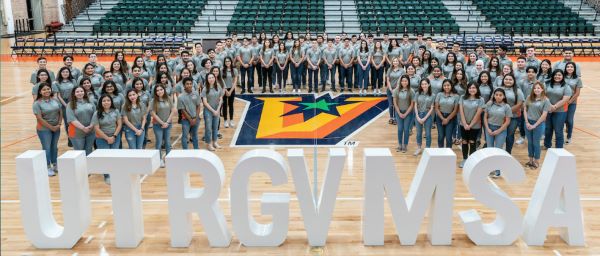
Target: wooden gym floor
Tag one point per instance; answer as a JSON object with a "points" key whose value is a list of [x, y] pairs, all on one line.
{"points": [[18, 135]]}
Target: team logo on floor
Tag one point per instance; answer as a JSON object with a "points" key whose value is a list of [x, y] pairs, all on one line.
{"points": [[304, 120]]}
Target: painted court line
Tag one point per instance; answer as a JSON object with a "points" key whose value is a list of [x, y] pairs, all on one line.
{"points": [[587, 199]]}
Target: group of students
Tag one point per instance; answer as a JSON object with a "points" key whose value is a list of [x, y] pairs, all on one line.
{"points": [[461, 95], [98, 107]]}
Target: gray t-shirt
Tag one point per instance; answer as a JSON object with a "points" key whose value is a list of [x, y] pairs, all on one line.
{"points": [[96, 80], [556, 93], [511, 98], [378, 57], [561, 65], [189, 102], [296, 54], [163, 109], [212, 96], [436, 85], [414, 82], [394, 76], [50, 111], [363, 57], [245, 53], [313, 55], [346, 54], [536, 108], [64, 89], [406, 50], [118, 100], [231, 73], [404, 98], [574, 83], [497, 113], [136, 115], [282, 57], [470, 107], [446, 102], [83, 112], [36, 87], [108, 122], [424, 102], [329, 55], [394, 53], [486, 92], [33, 78], [526, 86], [267, 55]]}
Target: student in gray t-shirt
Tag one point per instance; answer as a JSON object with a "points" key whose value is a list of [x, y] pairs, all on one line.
{"points": [[212, 98], [47, 111], [536, 109], [496, 120], [329, 55], [559, 93], [470, 108]]}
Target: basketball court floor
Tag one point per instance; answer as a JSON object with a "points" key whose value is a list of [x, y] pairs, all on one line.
{"points": [[285, 129]]}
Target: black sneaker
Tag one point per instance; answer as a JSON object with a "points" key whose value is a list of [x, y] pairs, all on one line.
{"points": [[219, 136]]}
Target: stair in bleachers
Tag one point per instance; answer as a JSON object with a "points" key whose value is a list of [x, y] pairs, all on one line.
{"points": [[82, 25], [585, 11], [341, 16], [429, 17], [533, 17], [214, 19], [272, 16], [468, 17]]}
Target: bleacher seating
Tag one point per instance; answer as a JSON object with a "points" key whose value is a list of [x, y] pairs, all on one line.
{"points": [[410, 16], [151, 16], [298, 16], [533, 17]]}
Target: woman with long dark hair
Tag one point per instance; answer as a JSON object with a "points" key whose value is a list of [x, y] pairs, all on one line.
{"points": [[559, 94], [48, 113], [230, 75]]}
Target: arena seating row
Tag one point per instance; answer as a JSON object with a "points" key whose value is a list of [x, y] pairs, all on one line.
{"points": [[533, 17], [252, 16], [588, 46], [150, 16], [387, 16]]}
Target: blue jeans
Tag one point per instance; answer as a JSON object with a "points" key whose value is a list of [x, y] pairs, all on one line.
{"points": [[495, 141], [377, 78], [363, 76], [445, 132], [134, 141], [313, 78], [146, 127], [304, 72], [162, 135], [356, 68], [390, 100], [326, 74], [510, 134], [555, 123], [297, 75], [49, 141], [103, 144], [211, 126], [533, 139], [187, 129], [247, 77], [427, 126], [86, 143], [404, 127], [345, 77], [570, 119]]}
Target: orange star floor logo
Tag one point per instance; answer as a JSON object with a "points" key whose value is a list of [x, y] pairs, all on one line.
{"points": [[305, 120]]}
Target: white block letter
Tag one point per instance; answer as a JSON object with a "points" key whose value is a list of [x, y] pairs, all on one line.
{"points": [[36, 209], [433, 186], [506, 228], [317, 213], [555, 201], [250, 232], [125, 167], [185, 200]]}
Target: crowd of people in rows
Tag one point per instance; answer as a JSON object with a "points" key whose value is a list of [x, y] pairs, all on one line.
{"points": [[467, 96]]}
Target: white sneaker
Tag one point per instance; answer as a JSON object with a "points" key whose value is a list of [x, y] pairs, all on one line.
{"points": [[417, 152], [162, 163], [226, 124], [231, 123], [520, 141], [568, 141], [51, 172], [462, 164]]}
